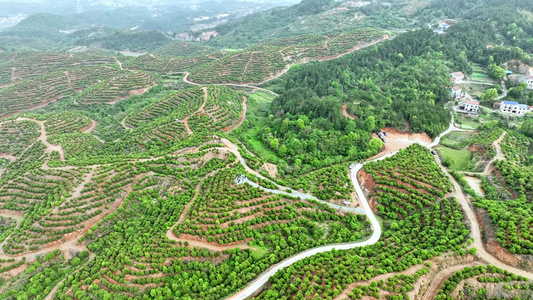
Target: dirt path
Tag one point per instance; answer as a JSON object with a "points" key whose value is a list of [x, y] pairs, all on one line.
{"points": [[123, 122], [242, 117], [442, 276], [68, 80], [247, 63], [201, 108], [499, 156], [49, 147], [50, 295], [119, 63], [90, 128], [186, 80], [192, 243], [475, 231], [345, 112], [412, 270], [79, 188]]}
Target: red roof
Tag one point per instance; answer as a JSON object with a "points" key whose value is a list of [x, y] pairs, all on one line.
{"points": [[458, 74], [472, 102], [453, 79], [456, 87]]}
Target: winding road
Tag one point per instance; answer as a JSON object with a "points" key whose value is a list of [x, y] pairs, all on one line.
{"points": [[256, 285]]}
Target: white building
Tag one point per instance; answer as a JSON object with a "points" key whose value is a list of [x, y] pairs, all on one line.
{"points": [[513, 107], [459, 76], [457, 92], [528, 80], [470, 106]]}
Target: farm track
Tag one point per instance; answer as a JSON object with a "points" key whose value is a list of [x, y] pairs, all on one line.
{"points": [[200, 109], [49, 147], [345, 112], [242, 117], [119, 63], [499, 156], [442, 276]]}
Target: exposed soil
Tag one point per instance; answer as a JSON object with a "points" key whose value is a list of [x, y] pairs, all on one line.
{"points": [[345, 112], [475, 184], [412, 270], [43, 138], [89, 128], [397, 140], [271, 169], [442, 276]]}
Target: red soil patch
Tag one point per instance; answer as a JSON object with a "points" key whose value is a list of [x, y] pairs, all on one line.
{"points": [[345, 112], [397, 140], [367, 185]]}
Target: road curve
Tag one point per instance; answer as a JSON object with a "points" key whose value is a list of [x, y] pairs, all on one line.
{"points": [[260, 281]]}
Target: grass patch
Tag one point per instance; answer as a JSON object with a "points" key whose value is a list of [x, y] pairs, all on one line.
{"points": [[455, 139], [461, 158], [260, 252], [257, 113]]}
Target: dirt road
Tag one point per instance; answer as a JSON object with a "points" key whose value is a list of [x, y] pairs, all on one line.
{"points": [[200, 109], [43, 138], [242, 117]]}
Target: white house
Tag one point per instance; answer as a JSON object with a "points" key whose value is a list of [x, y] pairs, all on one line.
{"points": [[513, 107], [469, 106], [456, 92], [528, 80], [459, 76]]}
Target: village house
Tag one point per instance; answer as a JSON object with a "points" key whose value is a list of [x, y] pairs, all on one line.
{"points": [[456, 92], [459, 76], [513, 107], [444, 26], [528, 80], [469, 106]]}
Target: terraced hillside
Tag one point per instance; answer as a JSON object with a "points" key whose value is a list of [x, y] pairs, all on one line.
{"points": [[259, 63], [16, 136], [25, 65], [270, 58], [117, 88], [407, 182], [44, 89], [178, 106], [221, 112], [168, 64]]}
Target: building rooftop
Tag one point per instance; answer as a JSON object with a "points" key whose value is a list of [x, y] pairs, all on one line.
{"points": [[510, 102], [523, 106], [472, 102], [458, 74], [456, 87]]}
